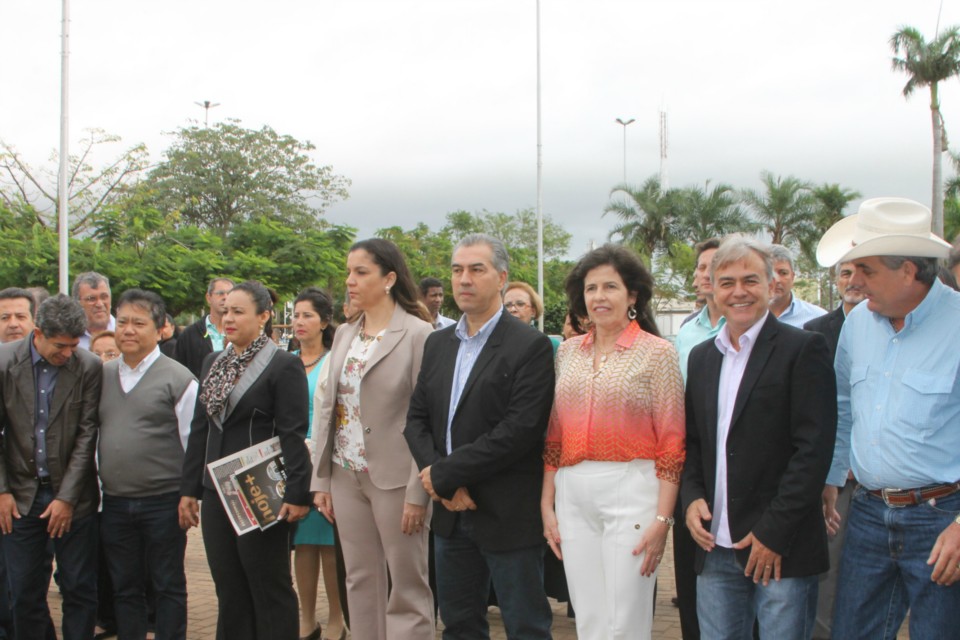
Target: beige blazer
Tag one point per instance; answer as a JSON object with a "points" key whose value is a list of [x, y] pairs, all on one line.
{"points": [[385, 389]]}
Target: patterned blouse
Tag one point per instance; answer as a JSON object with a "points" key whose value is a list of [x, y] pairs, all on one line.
{"points": [[631, 407], [349, 450]]}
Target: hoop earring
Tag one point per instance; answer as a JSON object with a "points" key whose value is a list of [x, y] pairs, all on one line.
{"points": [[632, 313]]}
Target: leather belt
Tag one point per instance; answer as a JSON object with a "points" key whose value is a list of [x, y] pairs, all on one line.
{"points": [[44, 482], [909, 497]]}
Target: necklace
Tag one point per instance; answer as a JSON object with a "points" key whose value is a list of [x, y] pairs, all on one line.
{"points": [[314, 363]]}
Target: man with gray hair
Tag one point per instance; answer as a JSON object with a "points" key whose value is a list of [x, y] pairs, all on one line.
{"points": [[761, 415], [784, 305], [48, 481], [476, 426], [206, 335], [898, 390], [92, 291]]}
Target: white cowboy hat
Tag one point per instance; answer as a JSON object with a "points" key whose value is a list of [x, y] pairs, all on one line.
{"points": [[882, 227]]}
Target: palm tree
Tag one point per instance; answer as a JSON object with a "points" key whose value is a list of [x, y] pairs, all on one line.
{"points": [[831, 201], [927, 64], [647, 217], [784, 209], [951, 204], [710, 214]]}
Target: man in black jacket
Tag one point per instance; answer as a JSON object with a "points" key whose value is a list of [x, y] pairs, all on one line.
{"points": [[205, 335], [761, 421]]}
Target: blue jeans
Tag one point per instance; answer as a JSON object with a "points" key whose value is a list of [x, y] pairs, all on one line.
{"points": [[139, 533], [884, 571], [728, 602], [26, 550], [464, 574]]}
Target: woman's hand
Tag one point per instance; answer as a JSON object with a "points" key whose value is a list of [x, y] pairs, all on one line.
{"points": [[551, 530], [653, 542], [188, 512], [293, 512], [413, 518], [324, 503]]}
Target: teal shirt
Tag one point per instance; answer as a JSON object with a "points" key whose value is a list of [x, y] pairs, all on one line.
{"points": [[216, 338], [692, 334], [312, 378]]}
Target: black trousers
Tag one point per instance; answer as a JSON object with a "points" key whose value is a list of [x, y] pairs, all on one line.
{"points": [[684, 553], [251, 573]]}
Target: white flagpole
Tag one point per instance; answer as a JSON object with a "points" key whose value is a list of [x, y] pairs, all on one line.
{"points": [[62, 186]]}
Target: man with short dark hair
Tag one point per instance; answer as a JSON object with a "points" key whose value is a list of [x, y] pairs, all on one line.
{"points": [[783, 304], [48, 482], [16, 314], [206, 334], [761, 418], [146, 406], [92, 291], [475, 427], [431, 292], [898, 389]]}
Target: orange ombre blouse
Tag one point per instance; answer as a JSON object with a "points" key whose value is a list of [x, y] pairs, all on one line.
{"points": [[631, 408]]}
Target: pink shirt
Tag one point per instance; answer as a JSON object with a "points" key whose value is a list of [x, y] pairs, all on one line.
{"points": [[631, 408]]}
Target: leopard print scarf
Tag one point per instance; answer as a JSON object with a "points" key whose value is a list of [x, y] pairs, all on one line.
{"points": [[225, 373]]}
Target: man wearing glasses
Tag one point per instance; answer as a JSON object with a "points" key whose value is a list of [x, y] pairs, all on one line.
{"points": [[92, 291], [206, 334]]}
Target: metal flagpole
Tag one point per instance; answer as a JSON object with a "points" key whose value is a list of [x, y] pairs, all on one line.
{"points": [[539, 180], [62, 184]]}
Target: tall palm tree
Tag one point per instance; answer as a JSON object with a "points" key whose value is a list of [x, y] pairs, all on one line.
{"points": [[927, 64], [830, 201], [647, 216], [784, 208], [951, 204], [707, 214]]}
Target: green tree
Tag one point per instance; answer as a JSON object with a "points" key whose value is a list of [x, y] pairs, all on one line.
{"points": [[220, 176], [927, 64], [90, 189], [518, 231], [951, 203], [647, 217], [784, 208], [707, 213]]}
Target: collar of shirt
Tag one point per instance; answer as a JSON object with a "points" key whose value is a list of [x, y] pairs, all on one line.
{"points": [[111, 326], [749, 337], [923, 310], [212, 328], [143, 365], [485, 330], [625, 341], [703, 319]]}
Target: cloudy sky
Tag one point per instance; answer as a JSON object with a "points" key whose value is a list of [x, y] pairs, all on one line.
{"points": [[429, 106]]}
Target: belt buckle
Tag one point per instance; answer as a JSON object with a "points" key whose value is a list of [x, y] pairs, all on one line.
{"points": [[885, 494]]}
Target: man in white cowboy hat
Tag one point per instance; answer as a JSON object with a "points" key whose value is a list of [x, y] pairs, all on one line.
{"points": [[898, 388]]}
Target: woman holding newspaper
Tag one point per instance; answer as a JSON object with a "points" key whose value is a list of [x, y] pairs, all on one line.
{"points": [[365, 476], [251, 392]]}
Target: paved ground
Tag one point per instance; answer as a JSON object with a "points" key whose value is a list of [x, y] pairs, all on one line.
{"points": [[202, 602]]}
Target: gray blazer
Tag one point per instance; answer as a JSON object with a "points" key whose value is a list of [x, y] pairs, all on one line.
{"points": [[71, 431], [388, 381]]}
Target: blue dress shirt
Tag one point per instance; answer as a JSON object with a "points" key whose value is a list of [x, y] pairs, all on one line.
{"points": [[470, 348], [45, 381], [800, 312], [898, 396]]}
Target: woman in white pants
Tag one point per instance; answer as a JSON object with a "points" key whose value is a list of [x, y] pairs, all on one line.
{"points": [[614, 448]]}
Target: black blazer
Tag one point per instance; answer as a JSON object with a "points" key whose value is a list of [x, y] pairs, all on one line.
{"points": [[779, 446], [276, 404], [193, 346], [497, 431], [829, 325]]}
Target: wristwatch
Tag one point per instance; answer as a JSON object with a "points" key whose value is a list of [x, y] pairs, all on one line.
{"points": [[667, 520]]}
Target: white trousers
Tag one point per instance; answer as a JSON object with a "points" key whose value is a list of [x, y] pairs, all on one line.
{"points": [[603, 509]]}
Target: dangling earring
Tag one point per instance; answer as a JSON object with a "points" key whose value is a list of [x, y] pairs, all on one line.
{"points": [[632, 312], [387, 290]]}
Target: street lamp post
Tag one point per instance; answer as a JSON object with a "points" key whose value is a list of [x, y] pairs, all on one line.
{"points": [[207, 105], [625, 123]]}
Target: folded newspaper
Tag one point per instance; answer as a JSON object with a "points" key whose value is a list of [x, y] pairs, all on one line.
{"points": [[251, 484]]}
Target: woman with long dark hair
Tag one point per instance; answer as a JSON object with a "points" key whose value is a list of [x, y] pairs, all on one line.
{"points": [[366, 478], [251, 391]]}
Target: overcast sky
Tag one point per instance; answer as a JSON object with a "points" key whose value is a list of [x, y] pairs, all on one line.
{"points": [[429, 106]]}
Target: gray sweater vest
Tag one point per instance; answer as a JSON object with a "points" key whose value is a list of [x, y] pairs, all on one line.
{"points": [[140, 450]]}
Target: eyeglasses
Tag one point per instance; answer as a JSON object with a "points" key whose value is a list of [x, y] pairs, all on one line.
{"points": [[107, 355], [220, 293], [518, 305], [93, 299]]}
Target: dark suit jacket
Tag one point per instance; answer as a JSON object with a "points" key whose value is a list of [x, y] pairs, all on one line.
{"points": [[779, 446], [829, 325], [192, 347], [497, 431], [275, 404], [71, 431]]}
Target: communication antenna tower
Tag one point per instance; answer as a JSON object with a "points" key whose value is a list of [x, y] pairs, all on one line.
{"points": [[664, 181]]}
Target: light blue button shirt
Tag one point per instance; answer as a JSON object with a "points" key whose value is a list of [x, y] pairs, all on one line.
{"points": [[800, 312], [470, 348], [693, 333], [216, 338], [898, 396]]}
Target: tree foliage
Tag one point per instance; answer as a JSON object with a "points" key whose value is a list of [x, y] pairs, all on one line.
{"points": [[928, 64], [220, 176], [784, 208]]}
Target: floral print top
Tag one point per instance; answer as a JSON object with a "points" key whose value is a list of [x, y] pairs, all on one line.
{"points": [[348, 447]]}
